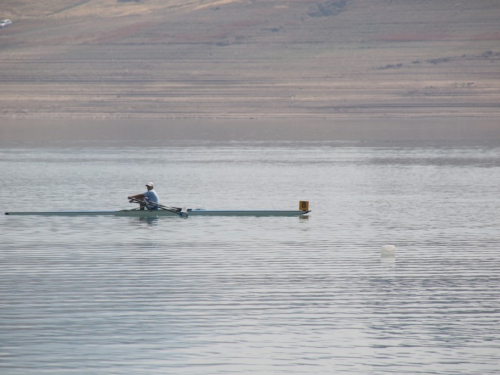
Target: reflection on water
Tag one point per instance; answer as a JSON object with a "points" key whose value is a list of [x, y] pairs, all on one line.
{"points": [[94, 295], [388, 261], [148, 220]]}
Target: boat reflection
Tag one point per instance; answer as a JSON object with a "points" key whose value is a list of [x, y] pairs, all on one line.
{"points": [[149, 220]]}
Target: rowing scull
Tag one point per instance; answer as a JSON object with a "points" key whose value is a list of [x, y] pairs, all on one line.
{"points": [[156, 213]]}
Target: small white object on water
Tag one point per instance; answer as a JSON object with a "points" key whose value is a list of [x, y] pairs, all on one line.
{"points": [[388, 251]]}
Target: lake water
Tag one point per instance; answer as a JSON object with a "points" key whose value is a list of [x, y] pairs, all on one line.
{"points": [[241, 295]]}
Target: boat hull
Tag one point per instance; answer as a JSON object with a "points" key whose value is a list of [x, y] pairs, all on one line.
{"points": [[245, 213], [162, 213]]}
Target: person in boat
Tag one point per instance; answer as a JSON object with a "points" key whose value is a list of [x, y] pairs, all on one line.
{"points": [[148, 196]]}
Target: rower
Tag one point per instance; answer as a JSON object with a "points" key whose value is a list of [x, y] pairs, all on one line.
{"points": [[149, 195]]}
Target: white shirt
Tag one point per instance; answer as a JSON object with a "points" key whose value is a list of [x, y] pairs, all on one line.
{"points": [[152, 196]]}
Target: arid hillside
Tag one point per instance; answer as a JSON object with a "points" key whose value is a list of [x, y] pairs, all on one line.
{"points": [[250, 58]]}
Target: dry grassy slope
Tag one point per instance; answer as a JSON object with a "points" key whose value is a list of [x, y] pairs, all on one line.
{"points": [[28, 9], [241, 59]]}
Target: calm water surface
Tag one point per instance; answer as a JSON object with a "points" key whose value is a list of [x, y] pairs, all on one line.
{"points": [[206, 295]]}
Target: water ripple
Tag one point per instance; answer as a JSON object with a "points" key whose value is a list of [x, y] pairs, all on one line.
{"points": [[93, 295]]}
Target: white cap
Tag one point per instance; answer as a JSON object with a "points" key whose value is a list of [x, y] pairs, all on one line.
{"points": [[150, 184]]}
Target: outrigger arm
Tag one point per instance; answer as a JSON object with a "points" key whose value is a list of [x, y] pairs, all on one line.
{"points": [[151, 205]]}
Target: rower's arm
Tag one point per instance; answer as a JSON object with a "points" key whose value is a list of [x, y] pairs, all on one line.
{"points": [[137, 196]]}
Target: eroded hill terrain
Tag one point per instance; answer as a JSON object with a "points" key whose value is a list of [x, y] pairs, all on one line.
{"points": [[250, 59]]}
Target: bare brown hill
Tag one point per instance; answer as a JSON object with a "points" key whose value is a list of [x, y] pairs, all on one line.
{"points": [[250, 59]]}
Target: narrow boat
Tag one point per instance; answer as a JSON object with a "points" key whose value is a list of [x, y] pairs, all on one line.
{"points": [[155, 213], [173, 212]]}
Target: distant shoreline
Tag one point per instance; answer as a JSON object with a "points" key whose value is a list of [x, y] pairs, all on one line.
{"points": [[269, 130]]}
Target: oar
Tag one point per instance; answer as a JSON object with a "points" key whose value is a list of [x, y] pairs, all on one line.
{"points": [[175, 210]]}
